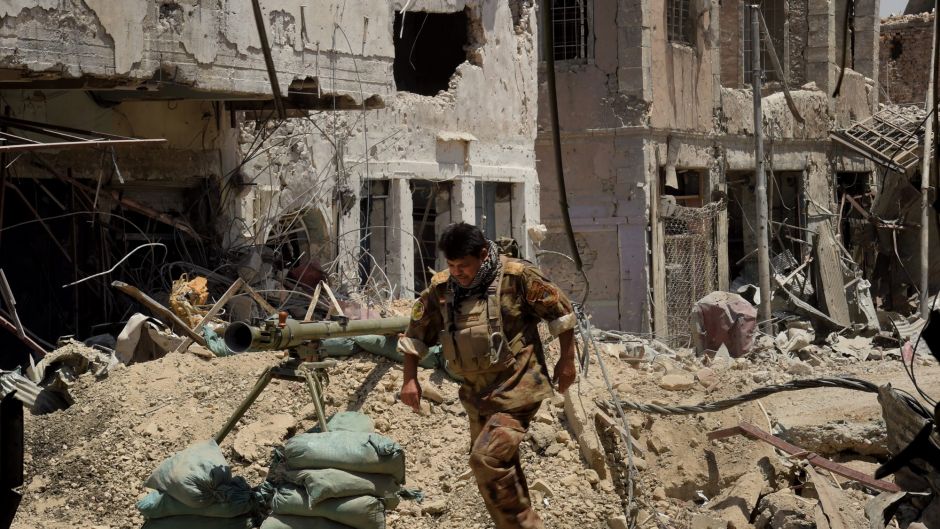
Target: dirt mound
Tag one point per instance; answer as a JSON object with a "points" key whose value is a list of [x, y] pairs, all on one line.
{"points": [[86, 465]]}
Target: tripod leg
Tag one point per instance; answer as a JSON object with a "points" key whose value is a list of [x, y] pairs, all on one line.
{"points": [[316, 392], [262, 382]]}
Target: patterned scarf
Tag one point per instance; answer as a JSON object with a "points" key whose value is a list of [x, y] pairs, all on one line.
{"points": [[488, 271]]}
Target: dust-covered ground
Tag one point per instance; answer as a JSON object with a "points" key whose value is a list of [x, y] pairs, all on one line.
{"points": [[86, 465]]}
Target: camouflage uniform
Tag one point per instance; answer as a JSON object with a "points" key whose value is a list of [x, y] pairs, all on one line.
{"points": [[499, 355]]}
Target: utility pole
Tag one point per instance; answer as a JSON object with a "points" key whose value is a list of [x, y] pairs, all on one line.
{"points": [[926, 172], [763, 237]]}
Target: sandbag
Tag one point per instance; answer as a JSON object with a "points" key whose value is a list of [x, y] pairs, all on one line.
{"points": [[353, 451], [351, 421], [360, 512], [286, 521], [327, 483], [199, 522], [161, 505], [199, 476]]}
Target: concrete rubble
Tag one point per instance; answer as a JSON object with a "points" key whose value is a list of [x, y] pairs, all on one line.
{"points": [[167, 170]]}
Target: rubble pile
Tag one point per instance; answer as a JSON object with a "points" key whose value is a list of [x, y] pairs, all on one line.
{"points": [[86, 465]]}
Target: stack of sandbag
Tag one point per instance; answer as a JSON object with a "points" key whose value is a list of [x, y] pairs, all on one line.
{"points": [[340, 479], [195, 489]]}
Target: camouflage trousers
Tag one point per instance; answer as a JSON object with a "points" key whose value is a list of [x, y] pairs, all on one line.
{"points": [[494, 460]]}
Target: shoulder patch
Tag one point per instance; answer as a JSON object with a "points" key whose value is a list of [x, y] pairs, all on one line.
{"points": [[440, 278], [513, 266], [417, 311]]}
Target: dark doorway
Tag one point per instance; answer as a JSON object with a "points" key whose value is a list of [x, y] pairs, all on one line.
{"points": [[428, 50]]}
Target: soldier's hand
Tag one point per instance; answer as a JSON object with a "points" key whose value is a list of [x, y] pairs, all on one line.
{"points": [[411, 393], [565, 374]]}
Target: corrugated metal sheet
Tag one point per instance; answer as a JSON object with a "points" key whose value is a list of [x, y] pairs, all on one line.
{"points": [[23, 389]]}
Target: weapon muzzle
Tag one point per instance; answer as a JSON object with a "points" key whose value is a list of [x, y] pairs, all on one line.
{"points": [[239, 336]]}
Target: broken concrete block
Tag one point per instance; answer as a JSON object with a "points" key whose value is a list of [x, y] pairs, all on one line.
{"points": [[541, 435], [617, 522], [736, 504], [799, 368], [584, 431], [707, 377], [783, 510], [705, 521], [677, 382]]}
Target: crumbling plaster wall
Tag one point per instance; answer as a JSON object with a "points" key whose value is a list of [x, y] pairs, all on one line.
{"points": [[487, 117], [195, 132], [211, 46], [603, 105], [905, 57], [686, 78]]}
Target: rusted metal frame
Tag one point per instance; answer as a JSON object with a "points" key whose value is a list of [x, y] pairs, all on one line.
{"points": [[74, 144], [10, 326], [25, 124], [866, 151], [132, 205], [6, 134], [40, 219], [752, 432], [268, 60]]}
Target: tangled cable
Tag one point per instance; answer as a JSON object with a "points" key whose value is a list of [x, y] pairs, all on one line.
{"points": [[795, 385]]}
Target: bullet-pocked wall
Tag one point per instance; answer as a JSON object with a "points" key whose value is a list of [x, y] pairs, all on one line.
{"points": [[193, 73], [662, 89]]}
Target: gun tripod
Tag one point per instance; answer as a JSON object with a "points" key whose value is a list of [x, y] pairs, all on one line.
{"points": [[294, 368]]}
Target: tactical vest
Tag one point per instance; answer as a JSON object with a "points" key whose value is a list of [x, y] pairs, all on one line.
{"points": [[475, 344]]}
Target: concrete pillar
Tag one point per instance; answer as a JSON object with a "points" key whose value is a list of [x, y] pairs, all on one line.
{"points": [[400, 245], [347, 249], [634, 74], [867, 41], [525, 213], [463, 200], [821, 44]]}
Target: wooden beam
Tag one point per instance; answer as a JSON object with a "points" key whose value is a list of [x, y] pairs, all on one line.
{"points": [[830, 289]]}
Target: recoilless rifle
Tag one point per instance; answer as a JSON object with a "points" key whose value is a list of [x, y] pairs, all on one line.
{"points": [[303, 364]]}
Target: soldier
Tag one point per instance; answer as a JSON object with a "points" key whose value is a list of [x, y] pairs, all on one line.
{"points": [[484, 311]]}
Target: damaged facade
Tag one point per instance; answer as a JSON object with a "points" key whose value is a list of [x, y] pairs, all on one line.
{"points": [[403, 117], [657, 131]]}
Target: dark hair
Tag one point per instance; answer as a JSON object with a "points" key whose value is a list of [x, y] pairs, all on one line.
{"points": [[460, 240]]}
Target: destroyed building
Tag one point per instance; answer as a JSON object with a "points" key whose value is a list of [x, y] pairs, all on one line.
{"points": [[657, 135], [142, 137]]}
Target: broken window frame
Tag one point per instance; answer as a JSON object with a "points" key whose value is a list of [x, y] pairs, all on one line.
{"points": [[581, 46], [775, 16], [679, 29]]}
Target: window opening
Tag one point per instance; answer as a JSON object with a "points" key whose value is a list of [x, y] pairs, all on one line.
{"points": [[679, 21], [774, 15], [428, 49], [424, 216], [569, 30]]}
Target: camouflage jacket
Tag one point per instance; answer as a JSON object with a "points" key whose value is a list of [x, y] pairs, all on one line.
{"points": [[526, 297]]}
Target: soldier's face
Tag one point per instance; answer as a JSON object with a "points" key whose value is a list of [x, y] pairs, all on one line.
{"points": [[465, 268]]}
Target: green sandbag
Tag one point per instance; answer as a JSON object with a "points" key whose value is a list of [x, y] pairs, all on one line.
{"points": [[199, 522], [286, 521], [360, 512], [351, 421], [160, 505], [327, 483], [353, 451], [199, 476]]}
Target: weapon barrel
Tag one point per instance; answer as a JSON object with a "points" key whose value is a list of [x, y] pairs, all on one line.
{"points": [[240, 336]]}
